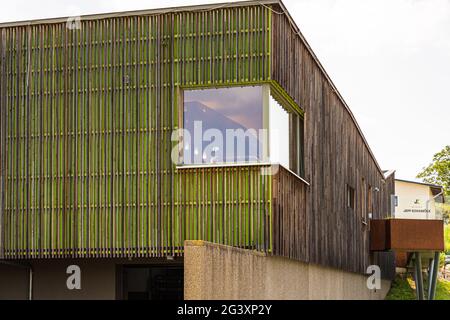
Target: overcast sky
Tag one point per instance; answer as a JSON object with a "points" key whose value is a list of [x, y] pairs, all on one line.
{"points": [[390, 59]]}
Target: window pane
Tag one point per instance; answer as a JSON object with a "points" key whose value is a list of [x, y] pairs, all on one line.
{"points": [[223, 125], [296, 144], [278, 134], [300, 147]]}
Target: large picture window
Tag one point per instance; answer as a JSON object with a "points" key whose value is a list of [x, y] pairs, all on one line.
{"points": [[240, 125], [223, 125], [278, 134]]}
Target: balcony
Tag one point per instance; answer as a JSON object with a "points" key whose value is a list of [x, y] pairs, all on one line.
{"points": [[407, 235]]}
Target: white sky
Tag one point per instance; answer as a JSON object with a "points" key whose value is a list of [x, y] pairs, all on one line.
{"points": [[390, 59]]}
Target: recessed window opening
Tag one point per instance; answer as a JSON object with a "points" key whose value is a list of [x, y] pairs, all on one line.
{"points": [[350, 197]]}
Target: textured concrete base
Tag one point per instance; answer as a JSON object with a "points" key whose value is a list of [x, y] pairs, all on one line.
{"points": [[13, 282], [49, 280], [98, 278], [220, 272]]}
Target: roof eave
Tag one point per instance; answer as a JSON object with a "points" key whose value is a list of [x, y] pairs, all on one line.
{"points": [[156, 11]]}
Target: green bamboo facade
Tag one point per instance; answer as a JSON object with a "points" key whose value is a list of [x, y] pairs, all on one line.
{"points": [[87, 118]]}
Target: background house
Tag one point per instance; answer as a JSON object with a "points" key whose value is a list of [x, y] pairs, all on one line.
{"points": [[417, 200]]}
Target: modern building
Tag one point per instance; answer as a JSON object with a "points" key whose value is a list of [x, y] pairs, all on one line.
{"points": [[97, 179]]}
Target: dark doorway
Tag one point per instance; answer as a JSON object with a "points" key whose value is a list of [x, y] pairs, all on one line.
{"points": [[143, 282]]}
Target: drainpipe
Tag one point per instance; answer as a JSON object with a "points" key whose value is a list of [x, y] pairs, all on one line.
{"points": [[30, 283], [30, 274]]}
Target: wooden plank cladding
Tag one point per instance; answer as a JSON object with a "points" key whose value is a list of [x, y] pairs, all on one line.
{"points": [[289, 215], [86, 121], [336, 156]]}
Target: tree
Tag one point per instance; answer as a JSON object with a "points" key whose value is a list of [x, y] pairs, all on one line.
{"points": [[438, 172]]}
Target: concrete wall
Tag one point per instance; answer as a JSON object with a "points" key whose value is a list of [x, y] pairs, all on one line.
{"points": [[211, 272], [13, 282], [98, 278], [220, 272]]}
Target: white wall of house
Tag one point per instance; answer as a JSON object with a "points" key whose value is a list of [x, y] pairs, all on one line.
{"points": [[414, 201]]}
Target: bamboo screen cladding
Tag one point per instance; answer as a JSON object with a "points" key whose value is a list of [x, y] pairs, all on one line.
{"points": [[86, 123]]}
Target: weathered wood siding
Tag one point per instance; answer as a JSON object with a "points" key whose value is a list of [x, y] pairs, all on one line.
{"points": [[335, 155], [86, 123], [289, 215]]}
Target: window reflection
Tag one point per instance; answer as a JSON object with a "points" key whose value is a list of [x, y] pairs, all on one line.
{"points": [[278, 134], [241, 125], [223, 125]]}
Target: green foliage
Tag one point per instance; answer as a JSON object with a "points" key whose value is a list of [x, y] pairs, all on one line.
{"points": [[444, 209], [401, 290], [447, 238], [443, 290], [441, 259], [404, 289], [438, 172]]}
